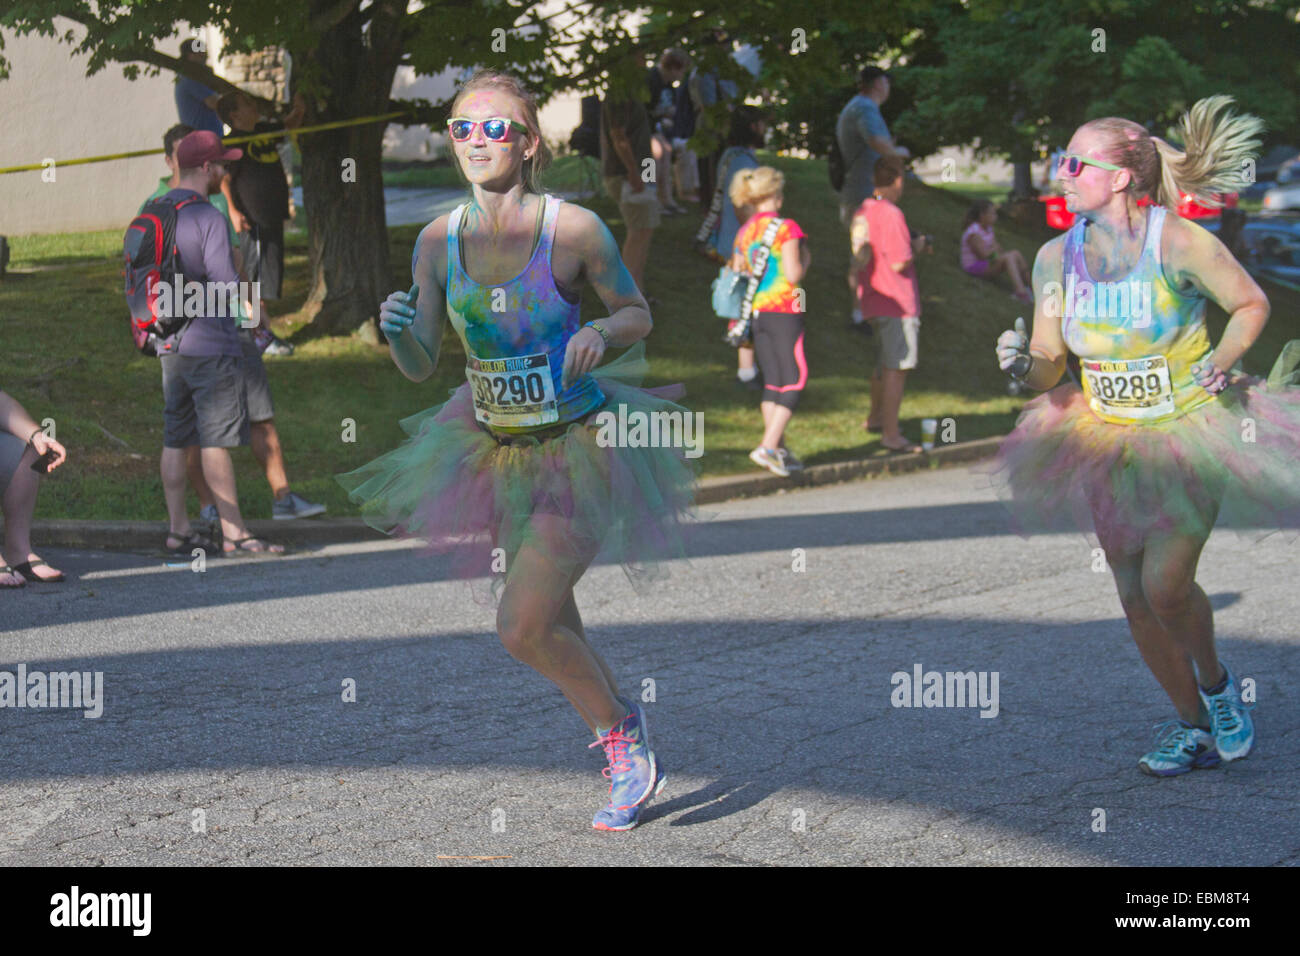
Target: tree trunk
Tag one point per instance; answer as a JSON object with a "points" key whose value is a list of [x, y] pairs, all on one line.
{"points": [[1022, 182], [347, 230]]}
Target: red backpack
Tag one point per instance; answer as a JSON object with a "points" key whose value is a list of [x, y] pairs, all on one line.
{"points": [[152, 260]]}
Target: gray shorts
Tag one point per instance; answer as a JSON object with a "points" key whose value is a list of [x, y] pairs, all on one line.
{"points": [[898, 341], [11, 456], [636, 215], [203, 402], [257, 390]]}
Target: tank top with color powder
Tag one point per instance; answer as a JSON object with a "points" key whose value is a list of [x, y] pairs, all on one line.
{"points": [[1137, 338], [515, 334]]}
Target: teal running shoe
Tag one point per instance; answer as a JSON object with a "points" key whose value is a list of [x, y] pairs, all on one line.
{"points": [[1234, 731], [1182, 748], [635, 775]]}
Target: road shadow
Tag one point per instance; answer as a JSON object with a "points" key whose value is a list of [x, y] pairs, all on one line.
{"points": [[764, 711]]}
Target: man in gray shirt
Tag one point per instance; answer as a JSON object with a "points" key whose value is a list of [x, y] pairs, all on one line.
{"points": [[625, 150], [863, 138], [203, 393]]}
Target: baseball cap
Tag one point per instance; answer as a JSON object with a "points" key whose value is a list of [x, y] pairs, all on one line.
{"points": [[203, 146]]}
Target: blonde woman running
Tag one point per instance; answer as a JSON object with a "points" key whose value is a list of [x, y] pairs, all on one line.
{"points": [[513, 465], [1149, 453]]}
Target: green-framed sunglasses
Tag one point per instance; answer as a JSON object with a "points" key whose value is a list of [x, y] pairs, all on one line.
{"points": [[494, 129]]}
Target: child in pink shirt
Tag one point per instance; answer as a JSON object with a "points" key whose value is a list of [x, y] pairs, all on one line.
{"points": [[890, 298]]}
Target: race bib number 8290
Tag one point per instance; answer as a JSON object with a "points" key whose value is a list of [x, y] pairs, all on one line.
{"points": [[513, 392]]}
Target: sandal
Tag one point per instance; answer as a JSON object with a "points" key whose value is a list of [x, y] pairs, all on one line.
{"points": [[22, 581], [906, 449], [188, 542], [25, 570], [239, 551]]}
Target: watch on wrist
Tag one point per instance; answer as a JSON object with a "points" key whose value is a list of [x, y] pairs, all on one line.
{"points": [[600, 329]]}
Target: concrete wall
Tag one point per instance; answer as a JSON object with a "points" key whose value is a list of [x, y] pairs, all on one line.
{"points": [[49, 108]]}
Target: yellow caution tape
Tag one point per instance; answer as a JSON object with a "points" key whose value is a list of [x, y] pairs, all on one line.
{"points": [[229, 140]]}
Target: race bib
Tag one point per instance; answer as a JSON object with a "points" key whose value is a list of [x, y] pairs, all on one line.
{"points": [[513, 392], [1137, 390]]}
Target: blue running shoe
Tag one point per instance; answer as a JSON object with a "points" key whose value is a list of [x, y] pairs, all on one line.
{"points": [[1234, 731], [1183, 748], [635, 775]]}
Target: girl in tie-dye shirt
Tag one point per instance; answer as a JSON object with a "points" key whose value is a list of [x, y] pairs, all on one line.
{"points": [[777, 310]]}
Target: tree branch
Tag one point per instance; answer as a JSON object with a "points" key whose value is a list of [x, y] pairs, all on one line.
{"points": [[327, 20]]}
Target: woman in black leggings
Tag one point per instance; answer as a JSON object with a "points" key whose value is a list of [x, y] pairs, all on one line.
{"points": [[778, 308]]}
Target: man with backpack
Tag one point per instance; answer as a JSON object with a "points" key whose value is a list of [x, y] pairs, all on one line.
{"points": [[265, 437], [186, 245], [861, 138]]}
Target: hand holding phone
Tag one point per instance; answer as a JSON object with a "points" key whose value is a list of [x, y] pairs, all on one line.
{"points": [[51, 453], [42, 465]]}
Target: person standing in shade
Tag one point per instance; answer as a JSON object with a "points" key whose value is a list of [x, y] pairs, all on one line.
{"points": [[660, 79], [203, 394], [890, 297], [778, 308], [626, 150], [717, 234], [863, 138], [196, 105], [259, 201], [264, 436]]}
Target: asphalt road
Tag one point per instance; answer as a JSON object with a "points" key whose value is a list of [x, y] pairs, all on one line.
{"points": [[223, 693]]}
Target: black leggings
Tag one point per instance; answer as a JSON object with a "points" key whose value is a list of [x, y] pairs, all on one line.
{"points": [[778, 345]]}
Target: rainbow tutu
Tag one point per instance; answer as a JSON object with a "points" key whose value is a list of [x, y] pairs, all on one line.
{"points": [[567, 495], [1235, 460]]}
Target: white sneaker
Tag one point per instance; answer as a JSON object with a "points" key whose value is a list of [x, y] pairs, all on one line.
{"points": [[769, 460]]}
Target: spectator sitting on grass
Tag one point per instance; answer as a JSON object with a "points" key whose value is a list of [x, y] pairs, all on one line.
{"points": [[22, 442], [982, 256]]}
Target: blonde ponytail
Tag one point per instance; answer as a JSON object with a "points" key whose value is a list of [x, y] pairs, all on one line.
{"points": [[1219, 144]]}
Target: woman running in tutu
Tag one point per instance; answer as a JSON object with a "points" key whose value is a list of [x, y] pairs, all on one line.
{"points": [[1164, 436], [516, 468]]}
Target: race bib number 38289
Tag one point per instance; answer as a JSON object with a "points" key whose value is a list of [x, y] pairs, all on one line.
{"points": [[514, 392], [1138, 389]]}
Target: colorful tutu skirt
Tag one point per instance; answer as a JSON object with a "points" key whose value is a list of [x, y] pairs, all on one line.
{"points": [[1235, 460], [565, 494]]}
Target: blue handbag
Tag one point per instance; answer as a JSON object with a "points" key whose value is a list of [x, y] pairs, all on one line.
{"points": [[729, 293], [732, 289]]}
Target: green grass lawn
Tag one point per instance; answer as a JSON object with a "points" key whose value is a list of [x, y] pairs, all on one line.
{"points": [[68, 356]]}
